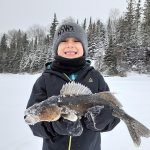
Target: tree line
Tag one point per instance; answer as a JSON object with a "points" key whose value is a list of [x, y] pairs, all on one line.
{"points": [[120, 45]]}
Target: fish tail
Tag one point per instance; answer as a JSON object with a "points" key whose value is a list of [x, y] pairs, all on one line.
{"points": [[136, 129]]}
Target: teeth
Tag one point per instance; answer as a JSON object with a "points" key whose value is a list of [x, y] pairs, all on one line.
{"points": [[70, 52]]}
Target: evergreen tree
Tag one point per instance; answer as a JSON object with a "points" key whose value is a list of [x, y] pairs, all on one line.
{"points": [[25, 61], [33, 55], [110, 60], [53, 27], [35, 44], [129, 19], [3, 44], [46, 40], [138, 15], [51, 36], [120, 32], [91, 44], [130, 35], [48, 49], [93, 48], [84, 24], [12, 53], [100, 41], [139, 64], [35, 65], [146, 34], [25, 43], [77, 21], [19, 52], [146, 24], [116, 43], [38, 57], [3, 53], [138, 25]]}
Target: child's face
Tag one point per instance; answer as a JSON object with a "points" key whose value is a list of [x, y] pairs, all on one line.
{"points": [[70, 48]]}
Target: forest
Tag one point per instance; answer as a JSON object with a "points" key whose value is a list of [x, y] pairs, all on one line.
{"points": [[116, 47]]}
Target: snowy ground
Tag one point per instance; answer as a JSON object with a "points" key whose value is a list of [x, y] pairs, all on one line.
{"points": [[133, 92]]}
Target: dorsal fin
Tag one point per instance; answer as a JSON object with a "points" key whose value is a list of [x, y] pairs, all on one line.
{"points": [[73, 88]]}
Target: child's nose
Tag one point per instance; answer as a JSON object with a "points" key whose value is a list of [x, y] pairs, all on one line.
{"points": [[70, 45]]}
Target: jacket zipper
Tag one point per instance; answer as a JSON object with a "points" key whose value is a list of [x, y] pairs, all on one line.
{"points": [[70, 137]]}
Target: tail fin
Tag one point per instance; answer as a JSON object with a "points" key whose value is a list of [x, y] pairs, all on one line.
{"points": [[136, 129]]}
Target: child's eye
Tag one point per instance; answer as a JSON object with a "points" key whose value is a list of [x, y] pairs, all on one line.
{"points": [[64, 41]]}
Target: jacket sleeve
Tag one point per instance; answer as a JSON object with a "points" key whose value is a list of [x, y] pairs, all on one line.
{"points": [[113, 121], [102, 85], [41, 129]]}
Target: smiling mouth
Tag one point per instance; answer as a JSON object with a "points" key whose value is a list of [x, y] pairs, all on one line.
{"points": [[71, 52]]}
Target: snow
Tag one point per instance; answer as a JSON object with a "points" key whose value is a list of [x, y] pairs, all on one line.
{"points": [[132, 92]]}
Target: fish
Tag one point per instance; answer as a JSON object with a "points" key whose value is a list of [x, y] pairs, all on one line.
{"points": [[75, 100]]}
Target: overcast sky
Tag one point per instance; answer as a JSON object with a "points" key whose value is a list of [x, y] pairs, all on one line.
{"points": [[15, 14]]}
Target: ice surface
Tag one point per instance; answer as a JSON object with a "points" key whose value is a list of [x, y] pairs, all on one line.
{"points": [[132, 92]]}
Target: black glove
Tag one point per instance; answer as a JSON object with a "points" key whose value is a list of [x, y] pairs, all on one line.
{"points": [[66, 127], [99, 118]]}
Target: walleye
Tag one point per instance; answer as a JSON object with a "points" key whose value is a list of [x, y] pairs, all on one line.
{"points": [[74, 101]]}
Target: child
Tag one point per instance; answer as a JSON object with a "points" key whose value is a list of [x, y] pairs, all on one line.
{"points": [[70, 47]]}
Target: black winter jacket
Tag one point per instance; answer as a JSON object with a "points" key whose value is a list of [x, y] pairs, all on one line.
{"points": [[49, 84]]}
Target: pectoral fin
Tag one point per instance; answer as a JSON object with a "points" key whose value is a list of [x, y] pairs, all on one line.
{"points": [[68, 114]]}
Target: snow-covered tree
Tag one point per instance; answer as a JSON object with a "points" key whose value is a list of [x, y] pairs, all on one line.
{"points": [[130, 44], [110, 61], [90, 36], [3, 53], [84, 25], [25, 61], [12, 52], [53, 27], [146, 34], [19, 52], [100, 41], [146, 24]]}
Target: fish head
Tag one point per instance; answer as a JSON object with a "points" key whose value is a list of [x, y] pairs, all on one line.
{"points": [[40, 112]]}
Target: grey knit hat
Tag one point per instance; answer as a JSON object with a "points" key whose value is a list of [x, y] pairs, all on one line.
{"points": [[68, 28]]}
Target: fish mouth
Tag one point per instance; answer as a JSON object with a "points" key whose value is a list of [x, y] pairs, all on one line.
{"points": [[31, 119], [44, 113]]}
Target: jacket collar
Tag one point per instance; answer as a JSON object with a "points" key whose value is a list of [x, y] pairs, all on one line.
{"points": [[81, 73]]}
